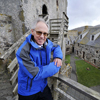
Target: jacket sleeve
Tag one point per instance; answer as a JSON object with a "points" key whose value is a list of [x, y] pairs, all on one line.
{"points": [[47, 71], [57, 52], [26, 64]]}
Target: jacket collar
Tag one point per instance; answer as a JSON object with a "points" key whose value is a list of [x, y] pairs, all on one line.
{"points": [[30, 39]]}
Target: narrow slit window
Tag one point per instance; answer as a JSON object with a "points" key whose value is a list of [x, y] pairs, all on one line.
{"points": [[80, 36], [92, 37]]}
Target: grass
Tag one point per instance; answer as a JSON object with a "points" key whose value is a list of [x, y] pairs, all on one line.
{"points": [[67, 57], [87, 74], [90, 77], [76, 58]]}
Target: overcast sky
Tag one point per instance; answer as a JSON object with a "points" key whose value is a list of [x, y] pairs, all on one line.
{"points": [[83, 12]]}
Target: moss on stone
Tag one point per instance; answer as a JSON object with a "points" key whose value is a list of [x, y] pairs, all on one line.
{"points": [[21, 15], [1, 62], [5, 15], [23, 28]]}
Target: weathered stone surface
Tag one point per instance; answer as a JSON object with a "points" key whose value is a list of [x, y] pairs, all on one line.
{"points": [[5, 87], [88, 53], [6, 33]]}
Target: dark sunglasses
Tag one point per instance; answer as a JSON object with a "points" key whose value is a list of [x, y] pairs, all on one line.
{"points": [[40, 33]]}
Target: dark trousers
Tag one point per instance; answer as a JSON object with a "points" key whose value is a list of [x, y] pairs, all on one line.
{"points": [[45, 95]]}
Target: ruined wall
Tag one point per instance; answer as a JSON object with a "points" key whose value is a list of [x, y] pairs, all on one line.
{"points": [[88, 53], [71, 37], [69, 49]]}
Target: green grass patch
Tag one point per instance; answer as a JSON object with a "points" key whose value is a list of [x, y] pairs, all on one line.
{"points": [[87, 74], [67, 57], [77, 58]]}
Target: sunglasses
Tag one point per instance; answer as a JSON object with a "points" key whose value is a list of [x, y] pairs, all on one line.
{"points": [[40, 33]]}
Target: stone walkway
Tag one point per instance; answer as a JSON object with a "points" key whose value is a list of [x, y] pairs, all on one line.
{"points": [[72, 63]]}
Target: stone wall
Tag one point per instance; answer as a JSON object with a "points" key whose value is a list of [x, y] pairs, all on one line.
{"points": [[69, 49], [6, 32], [33, 9], [88, 53], [12, 8], [73, 33]]}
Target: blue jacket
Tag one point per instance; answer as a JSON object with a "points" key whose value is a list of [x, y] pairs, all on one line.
{"points": [[35, 66]]}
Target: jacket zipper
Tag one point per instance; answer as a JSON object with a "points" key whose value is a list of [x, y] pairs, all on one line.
{"points": [[46, 56], [41, 58], [27, 84]]}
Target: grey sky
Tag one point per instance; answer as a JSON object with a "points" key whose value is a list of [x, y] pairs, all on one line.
{"points": [[83, 12]]}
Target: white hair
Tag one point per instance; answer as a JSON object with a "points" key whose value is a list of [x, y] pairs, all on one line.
{"points": [[36, 21]]}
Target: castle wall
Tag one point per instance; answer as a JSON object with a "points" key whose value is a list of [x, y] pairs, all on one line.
{"points": [[32, 9], [88, 53]]}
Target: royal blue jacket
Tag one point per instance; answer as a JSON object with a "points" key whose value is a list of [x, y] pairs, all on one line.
{"points": [[35, 66]]}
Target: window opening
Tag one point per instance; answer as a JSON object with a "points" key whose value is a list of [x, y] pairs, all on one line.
{"points": [[44, 10], [92, 37]]}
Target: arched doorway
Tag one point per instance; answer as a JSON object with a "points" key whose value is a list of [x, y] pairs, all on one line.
{"points": [[44, 10]]}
